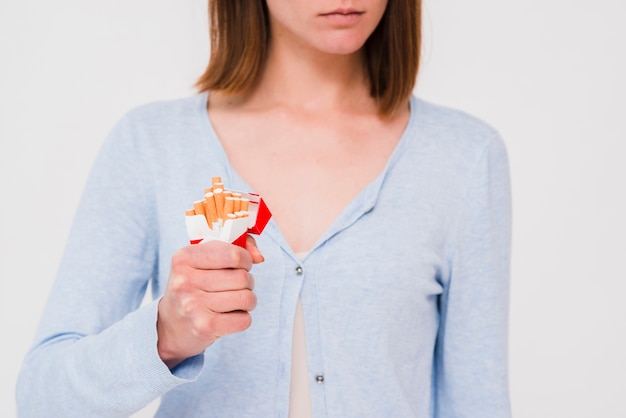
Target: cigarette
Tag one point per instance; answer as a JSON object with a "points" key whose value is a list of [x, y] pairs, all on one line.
{"points": [[217, 208], [229, 205], [237, 197], [198, 208], [206, 214], [211, 208], [218, 195]]}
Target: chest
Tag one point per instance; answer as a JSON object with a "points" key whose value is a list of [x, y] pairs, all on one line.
{"points": [[307, 168]]}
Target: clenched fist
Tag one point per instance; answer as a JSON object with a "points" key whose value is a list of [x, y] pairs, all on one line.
{"points": [[209, 294]]}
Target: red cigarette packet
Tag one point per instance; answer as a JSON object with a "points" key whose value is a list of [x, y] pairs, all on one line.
{"points": [[203, 224]]}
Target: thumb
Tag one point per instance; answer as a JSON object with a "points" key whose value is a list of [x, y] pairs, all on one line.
{"points": [[254, 251]]}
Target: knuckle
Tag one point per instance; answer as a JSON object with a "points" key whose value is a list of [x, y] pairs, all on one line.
{"points": [[177, 283], [240, 258], [179, 259], [244, 321], [240, 278], [204, 327], [187, 307], [233, 322], [253, 302], [235, 255], [247, 300]]}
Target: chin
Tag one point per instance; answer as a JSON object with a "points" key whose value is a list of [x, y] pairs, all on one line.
{"points": [[342, 45]]}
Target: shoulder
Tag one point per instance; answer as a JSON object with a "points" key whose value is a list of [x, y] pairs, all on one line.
{"points": [[451, 137], [446, 149], [453, 129], [165, 112], [156, 135], [160, 124]]}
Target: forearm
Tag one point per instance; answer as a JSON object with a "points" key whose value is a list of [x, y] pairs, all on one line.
{"points": [[113, 373]]}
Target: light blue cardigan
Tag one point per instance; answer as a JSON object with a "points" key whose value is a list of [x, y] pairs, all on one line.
{"points": [[405, 297]]}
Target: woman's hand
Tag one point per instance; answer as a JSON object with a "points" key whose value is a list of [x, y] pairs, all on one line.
{"points": [[209, 294]]}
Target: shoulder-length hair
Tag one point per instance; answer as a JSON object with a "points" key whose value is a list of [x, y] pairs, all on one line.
{"points": [[240, 33]]}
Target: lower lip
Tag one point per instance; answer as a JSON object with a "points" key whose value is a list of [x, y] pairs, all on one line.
{"points": [[342, 19]]}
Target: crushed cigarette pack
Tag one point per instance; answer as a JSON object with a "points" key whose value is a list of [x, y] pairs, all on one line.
{"points": [[226, 215]]}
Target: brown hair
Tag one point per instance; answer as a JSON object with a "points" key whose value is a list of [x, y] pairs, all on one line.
{"points": [[239, 40]]}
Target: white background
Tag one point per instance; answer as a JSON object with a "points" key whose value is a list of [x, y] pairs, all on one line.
{"points": [[548, 74]]}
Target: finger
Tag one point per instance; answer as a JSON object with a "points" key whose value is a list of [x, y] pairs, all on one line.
{"points": [[222, 280], [251, 246], [237, 300], [217, 255], [231, 322]]}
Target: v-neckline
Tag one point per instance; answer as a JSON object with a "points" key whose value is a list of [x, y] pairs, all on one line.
{"points": [[362, 203]]}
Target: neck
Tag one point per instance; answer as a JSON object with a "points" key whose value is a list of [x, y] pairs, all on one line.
{"points": [[309, 79]]}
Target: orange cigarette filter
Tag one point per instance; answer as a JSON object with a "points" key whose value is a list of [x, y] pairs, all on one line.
{"points": [[218, 195], [216, 179], [229, 206], [198, 207], [244, 204], [237, 203], [211, 208], [190, 212], [206, 214]]}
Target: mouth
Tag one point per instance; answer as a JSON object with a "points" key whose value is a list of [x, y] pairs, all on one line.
{"points": [[342, 17], [342, 12]]}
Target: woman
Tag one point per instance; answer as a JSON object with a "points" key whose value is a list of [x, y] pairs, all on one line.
{"points": [[379, 288]]}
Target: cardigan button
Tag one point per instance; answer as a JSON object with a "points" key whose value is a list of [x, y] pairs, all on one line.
{"points": [[299, 271], [319, 378]]}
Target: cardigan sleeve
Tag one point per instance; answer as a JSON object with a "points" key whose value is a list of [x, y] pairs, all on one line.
{"points": [[471, 351], [95, 350]]}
